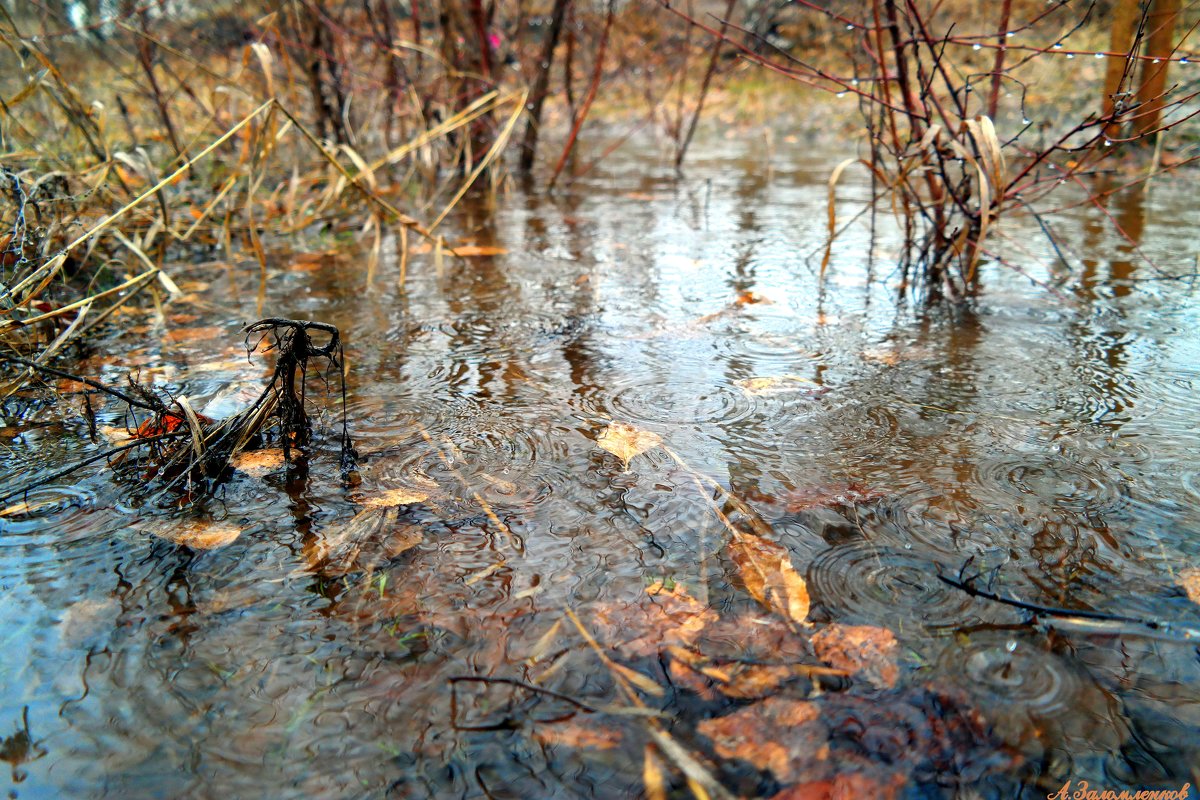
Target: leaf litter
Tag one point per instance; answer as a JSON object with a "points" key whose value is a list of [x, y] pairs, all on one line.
{"points": [[626, 442]]}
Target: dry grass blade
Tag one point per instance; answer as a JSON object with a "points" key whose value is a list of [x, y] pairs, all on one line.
{"points": [[51, 268], [832, 221], [495, 150]]}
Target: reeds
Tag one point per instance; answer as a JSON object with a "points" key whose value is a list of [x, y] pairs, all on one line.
{"points": [[932, 112]]}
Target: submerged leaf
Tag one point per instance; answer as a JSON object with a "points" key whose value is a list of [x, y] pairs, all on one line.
{"points": [[372, 536], [394, 497], [259, 462], [833, 495], [766, 570], [860, 649], [739, 679], [845, 786], [197, 534], [776, 734], [780, 384], [625, 441], [657, 620]]}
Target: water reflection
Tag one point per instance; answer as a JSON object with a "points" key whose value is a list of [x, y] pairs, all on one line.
{"points": [[1051, 439]]}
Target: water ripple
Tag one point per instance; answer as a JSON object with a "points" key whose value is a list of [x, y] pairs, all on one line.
{"points": [[886, 585]]}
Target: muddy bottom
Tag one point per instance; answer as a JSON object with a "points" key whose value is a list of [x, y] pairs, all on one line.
{"points": [[637, 498]]}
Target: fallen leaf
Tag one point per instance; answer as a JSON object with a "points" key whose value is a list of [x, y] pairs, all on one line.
{"points": [[833, 495], [373, 536], [891, 356], [741, 680], [657, 620], [641, 197], [1189, 579], [780, 384], [197, 534], [391, 498], [625, 441], [169, 423], [776, 734], [115, 435], [259, 462], [860, 649], [766, 570], [844, 786]]}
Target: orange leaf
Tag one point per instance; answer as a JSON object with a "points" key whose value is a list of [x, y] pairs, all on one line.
{"points": [[259, 462], [753, 734], [767, 571], [860, 649]]}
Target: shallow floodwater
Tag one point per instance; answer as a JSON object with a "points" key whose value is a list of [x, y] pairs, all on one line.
{"points": [[1048, 439]]}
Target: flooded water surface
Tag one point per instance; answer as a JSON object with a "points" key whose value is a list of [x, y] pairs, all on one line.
{"points": [[637, 498]]}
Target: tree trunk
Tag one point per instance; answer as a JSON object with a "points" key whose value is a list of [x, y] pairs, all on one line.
{"points": [[541, 84], [1159, 45], [1119, 76]]}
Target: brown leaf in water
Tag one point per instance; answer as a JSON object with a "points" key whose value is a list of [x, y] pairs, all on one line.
{"points": [[759, 681], [578, 736], [371, 537], [844, 786], [259, 462], [777, 734], [766, 570], [1189, 579], [116, 435], [739, 679], [860, 649], [198, 534], [780, 384], [625, 441], [658, 619], [394, 497], [833, 495]]}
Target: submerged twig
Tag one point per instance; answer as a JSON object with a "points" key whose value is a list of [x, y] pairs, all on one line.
{"points": [[1185, 632]]}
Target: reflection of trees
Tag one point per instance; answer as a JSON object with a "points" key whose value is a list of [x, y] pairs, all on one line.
{"points": [[1110, 386]]}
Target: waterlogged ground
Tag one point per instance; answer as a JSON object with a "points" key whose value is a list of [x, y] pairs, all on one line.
{"points": [[640, 590]]}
